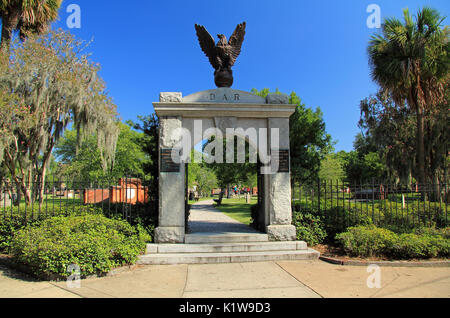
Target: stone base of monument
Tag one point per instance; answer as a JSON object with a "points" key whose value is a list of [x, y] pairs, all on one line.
{"points": [[226, 248]]}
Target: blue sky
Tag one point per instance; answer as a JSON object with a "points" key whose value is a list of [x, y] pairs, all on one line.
{"points": [[315, 48]]}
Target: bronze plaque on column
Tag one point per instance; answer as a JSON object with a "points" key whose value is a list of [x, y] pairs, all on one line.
{"points": [[167, 162], [283, 159]]}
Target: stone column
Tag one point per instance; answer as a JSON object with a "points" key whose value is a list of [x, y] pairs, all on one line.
{"points": [[280, 226], [171, 187]]}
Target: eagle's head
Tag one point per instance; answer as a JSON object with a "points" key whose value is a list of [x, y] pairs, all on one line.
{"points": [[222, 40]]}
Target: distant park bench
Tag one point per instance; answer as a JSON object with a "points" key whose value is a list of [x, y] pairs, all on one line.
{"points": [[219, 200]]}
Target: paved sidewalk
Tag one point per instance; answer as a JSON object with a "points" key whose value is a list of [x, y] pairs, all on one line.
{"points": [[283, 279], [204, 218]]}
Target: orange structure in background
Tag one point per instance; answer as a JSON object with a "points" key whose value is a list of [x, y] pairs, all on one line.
{"points": [[128, 191], [91, 196]]}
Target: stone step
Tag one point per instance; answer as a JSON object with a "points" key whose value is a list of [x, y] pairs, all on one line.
{"points": [[208, 238], [236, 257], [225, 247]]}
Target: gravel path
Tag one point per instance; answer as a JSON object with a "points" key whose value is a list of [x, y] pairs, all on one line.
{"points": [[205, 218]]}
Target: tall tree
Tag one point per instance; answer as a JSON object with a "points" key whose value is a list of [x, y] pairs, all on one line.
{"points": [[410, 60], [84, 163], [26, 16], [56, 84], [392, 130], [363, 168], [149, 126], [332, 168]]}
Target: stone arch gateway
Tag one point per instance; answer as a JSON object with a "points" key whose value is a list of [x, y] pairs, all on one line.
{"points": [[187, 119]]}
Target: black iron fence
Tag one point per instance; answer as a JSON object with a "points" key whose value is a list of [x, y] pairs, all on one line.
{"points": [[382, 203], [133, 199]]}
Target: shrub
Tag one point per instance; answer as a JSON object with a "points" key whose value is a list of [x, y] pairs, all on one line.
{"points": [[334, 220], [310, 228], [93, 242], [410, 245], [442, 245], [144, 215], [372, 241], [11, 224], [344, 213], [420, 246], [8, 228], [366, 241], [444, 232]]}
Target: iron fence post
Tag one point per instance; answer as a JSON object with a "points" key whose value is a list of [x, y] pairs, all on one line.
{"points": [[318, 196]]}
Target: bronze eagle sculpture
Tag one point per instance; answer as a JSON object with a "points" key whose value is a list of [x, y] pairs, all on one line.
{"points": [[223, 55]]}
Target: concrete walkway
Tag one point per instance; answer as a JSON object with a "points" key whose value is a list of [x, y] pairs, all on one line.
{"points": [[204, 218], [284, 279]]}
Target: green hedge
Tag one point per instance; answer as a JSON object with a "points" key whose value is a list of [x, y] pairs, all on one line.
{"points": [[144, 215], [357, 235], [93, 242], [10, 224], [8, 228], [382, 213], [309, 228], [366, 241], [336, 220]]}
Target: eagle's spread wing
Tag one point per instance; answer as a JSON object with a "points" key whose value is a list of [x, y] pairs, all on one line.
{"points": [[208, 45], [236, 41]]}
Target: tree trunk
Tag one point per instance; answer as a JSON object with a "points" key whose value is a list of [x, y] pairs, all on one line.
{"points": [[43, 173], [22, 189], [29, 185], [42, 184], [20, 183], [420, 147], [26, 192], [9, 24], [2, 192], [435, 195]]}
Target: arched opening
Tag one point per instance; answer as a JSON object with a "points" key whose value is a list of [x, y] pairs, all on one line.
{"points": [[225, 187]]}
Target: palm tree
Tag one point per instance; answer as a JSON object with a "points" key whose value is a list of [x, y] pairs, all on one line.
{"points": [[410, 61], [26, 16]]}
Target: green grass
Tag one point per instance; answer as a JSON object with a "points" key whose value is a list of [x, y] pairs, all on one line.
{"points": [[200, 200], [237, 209]]}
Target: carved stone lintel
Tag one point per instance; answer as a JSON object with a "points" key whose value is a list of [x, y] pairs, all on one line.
{"points": [[170, 97], [277, 99]]}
